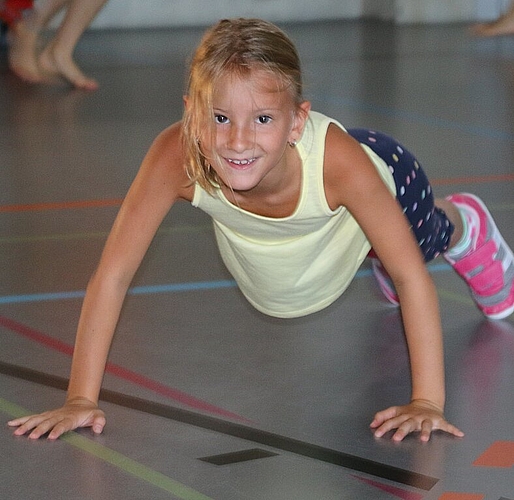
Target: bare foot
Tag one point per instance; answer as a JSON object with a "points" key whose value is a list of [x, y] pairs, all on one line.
{"points": [[55, 65], [22, 52], [503, 26]]}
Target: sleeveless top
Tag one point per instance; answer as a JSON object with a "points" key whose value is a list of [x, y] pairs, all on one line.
{"points": [[296, 265]]}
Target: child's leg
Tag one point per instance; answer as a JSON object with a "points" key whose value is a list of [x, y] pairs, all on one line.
{"points": [[454, 216], [430, 225], [57, 57], [24, 38], [459, 227], [504, 25]]}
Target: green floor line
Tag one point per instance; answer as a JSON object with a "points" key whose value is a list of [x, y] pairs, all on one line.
{"points": [[456, 297], [112, 457]]}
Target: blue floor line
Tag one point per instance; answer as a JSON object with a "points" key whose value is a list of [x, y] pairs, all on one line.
{"points": [[167, 288]]}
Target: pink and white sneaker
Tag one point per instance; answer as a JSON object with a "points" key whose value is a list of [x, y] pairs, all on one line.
{"points": [[384, 281], [488, 266]]}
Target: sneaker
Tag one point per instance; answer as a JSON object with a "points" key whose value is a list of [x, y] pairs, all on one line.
{"points": [[488, 267], [384, 281]]}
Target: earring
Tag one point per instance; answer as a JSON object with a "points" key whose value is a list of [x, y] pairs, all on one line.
{"points": [[292, 143]]}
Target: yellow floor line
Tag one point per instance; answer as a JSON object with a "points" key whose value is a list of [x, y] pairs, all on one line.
{"points": [[112, 457]]}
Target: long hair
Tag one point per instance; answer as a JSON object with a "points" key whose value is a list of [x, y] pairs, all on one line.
{"points": [[232, 46]]}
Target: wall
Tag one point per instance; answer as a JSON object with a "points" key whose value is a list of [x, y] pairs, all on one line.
{"points": [[152, 13], [434, 11], [137, 13]]}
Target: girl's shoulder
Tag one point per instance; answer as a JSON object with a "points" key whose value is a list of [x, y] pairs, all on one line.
{"points": [[168, 143], [166, 160], [346, 166]]}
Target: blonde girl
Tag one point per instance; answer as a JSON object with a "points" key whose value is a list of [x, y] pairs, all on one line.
{"points": [[297, 203]]}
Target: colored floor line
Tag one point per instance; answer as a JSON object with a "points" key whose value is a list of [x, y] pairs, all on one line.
{"points": [[241, 431], [63, 205], [461, 496], [80, 204], [500, 454], [121, 372], [99, 234], [393, 491], [165, 230], [121, 462], [456, 297], [195, 286], [474, 179]]}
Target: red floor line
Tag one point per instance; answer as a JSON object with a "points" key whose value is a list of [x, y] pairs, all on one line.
{"points": [[396, 492], [68, 205], [499, 454], [65, 205], [120, 372], [476, 179]]}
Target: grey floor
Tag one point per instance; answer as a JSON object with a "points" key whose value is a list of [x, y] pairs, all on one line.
{"points": [[205, 397]]}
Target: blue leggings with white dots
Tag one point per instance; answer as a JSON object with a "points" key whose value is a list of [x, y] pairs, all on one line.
{"points": [[429, 223]]}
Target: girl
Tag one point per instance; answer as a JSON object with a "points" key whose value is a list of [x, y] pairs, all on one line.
{"points": [[297, 202]]}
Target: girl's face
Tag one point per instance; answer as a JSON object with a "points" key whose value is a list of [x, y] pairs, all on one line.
{"points": [[255, 118]]}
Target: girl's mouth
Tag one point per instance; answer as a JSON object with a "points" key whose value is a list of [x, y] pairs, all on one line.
{"points": [[243, 163]]}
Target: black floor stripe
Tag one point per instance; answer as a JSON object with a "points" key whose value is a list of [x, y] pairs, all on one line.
{"points": [[238, 456], [264, 438]]}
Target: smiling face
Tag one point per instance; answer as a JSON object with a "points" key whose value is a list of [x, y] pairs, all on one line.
{"points": [[255, 117]]}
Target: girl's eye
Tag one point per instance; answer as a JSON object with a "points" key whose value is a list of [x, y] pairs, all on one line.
{"points": [[263, 119], [221, 119]]}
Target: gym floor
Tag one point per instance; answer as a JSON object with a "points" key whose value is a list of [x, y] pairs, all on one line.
{"points": [[205, 397]]}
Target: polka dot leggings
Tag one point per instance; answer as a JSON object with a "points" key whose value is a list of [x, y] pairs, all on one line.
{"points": [[429, 223]]}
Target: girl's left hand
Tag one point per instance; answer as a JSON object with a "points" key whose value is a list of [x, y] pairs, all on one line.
{"points": [[418, 416]]}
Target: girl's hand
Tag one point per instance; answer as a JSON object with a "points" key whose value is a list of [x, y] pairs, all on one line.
{"points": [[418, 416], [78, 412]]}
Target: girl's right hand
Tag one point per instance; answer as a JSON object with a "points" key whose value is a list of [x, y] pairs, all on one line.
{"points": [[78, 412]]}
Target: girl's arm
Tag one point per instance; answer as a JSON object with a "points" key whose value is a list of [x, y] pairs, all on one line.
{"points": [[352, 181], [160, 181]]}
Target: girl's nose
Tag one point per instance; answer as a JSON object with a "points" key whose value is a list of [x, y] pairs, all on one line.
{"points": [[240, 139]]}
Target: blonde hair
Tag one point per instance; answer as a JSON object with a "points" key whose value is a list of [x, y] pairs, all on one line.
{"points": [[232, 46]]}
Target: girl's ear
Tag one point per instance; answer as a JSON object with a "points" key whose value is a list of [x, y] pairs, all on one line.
{"points": [[300, 118], [186, 101]]}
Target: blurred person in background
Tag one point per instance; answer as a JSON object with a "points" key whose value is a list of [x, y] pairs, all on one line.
{"points": [[27, 20], [504, 25]]}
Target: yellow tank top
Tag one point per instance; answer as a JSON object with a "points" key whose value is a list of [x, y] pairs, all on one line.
{"points": [[296, 265]]}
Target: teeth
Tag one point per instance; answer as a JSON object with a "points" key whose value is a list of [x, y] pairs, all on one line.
{"points": [[242, 162]]}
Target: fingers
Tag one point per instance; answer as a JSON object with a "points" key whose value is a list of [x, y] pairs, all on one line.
{"points": [[451, 429], [98, 423], [17, 421], [56, 423], [36, 426], [26, 424], [383, 416], [412, 425], [407, 420], [426, 430]]}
